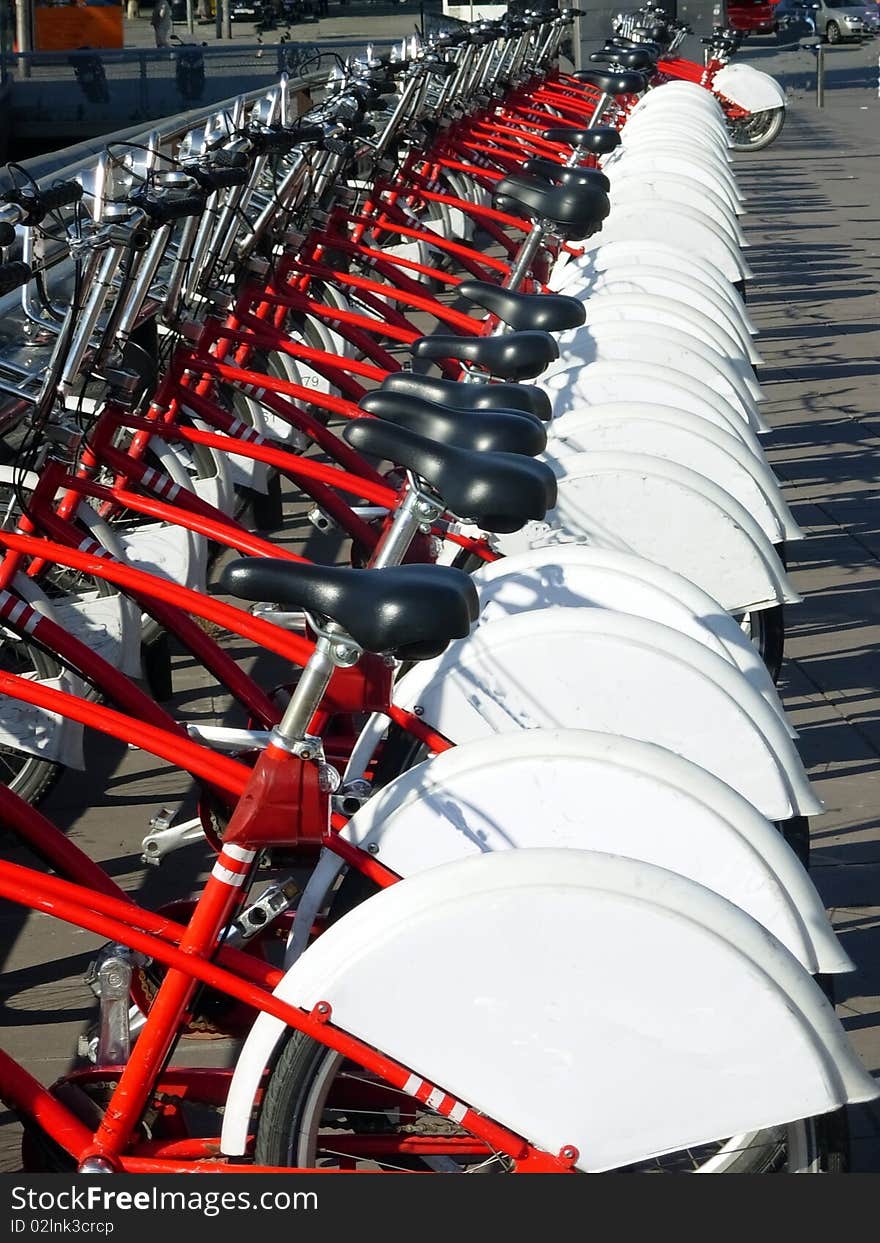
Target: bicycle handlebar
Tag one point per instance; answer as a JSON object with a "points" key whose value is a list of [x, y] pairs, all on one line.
{"points": [[7, 233]]}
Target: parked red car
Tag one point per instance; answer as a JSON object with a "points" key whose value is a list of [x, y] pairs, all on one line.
{"points": [[754, 17]]}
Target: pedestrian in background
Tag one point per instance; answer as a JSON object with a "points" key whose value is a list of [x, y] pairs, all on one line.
{"points": [[162, 22], [133, 11]]}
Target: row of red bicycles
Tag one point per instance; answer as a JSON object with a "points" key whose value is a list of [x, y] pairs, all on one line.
{"points": [[509, 874]]}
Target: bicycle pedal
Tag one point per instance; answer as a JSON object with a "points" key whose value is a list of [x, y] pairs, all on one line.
{"points": [[275, 900], [351, 797], [321, 522]]}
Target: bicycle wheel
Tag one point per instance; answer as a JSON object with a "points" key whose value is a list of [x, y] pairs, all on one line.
{"points": [[320, 1110], [26, 775], [757, 130], [766, 629]]}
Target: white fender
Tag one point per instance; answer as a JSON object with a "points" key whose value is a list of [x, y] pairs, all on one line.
{"points": [[654, 311], [624, 427], [243, 471], [673, 165], [704, 133], [199, 469], [33, 730], [696, 102], [676, 288], [589, 791], [573, 576], [669, 514], [657, 254], [658, 137], [577, 577], [680, 88], [675, 224], [160, 548], [685, 116], [109, 624], [748, 88], [685, 89], [618, 674], [317, 333], [666, 346], [671, 188], [579, 992], [602, 382]]}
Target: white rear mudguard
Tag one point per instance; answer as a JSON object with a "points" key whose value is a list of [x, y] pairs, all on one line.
{"points": [[655, 255], [108, 624], [574, 576], [657, 138], [618, 674], [672, 165], [679, 289], [169, 551], [679, 123], [528, 790], [679, 90], [668, 188], [663, 432], [33, 730], [557, 1030], [676, 224], [666, 346], [749, 88], [603, 382], [669, 514], [654, 311]]}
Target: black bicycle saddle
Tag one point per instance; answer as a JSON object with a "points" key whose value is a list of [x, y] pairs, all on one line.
{"points": [[498, 491], [410, 611], [459, 396], [479, 431], [544, 312], [633, 58], [626, 83], [549, 170], [575, 211], [598, 141], [515, 356]]}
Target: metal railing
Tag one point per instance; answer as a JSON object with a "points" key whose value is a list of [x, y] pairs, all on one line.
{"points": [[90, 92]]}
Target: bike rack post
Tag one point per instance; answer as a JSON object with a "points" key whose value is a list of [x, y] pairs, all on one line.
{"points": [[820, 75]]}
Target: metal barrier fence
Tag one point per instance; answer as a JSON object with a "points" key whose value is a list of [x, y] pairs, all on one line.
{"points": [[87, 92]]}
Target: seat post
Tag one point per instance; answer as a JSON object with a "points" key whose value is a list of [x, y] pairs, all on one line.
{"points": [[415, 511], [333, 650], [601, 106], [527, 252]]}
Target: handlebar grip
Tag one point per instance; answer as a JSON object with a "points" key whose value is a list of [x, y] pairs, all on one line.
{"points": [[228, 159], [63, 194], [274, 140], [164, 210], [13, 275], [36, 203], [7, 233], [217, 177], [308, 133]]}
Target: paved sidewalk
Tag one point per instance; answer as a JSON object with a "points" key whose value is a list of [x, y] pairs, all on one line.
{"points": [[814, 227]]}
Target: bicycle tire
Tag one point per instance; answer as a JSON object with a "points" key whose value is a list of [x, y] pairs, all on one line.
{"points": [[766, 629]]}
